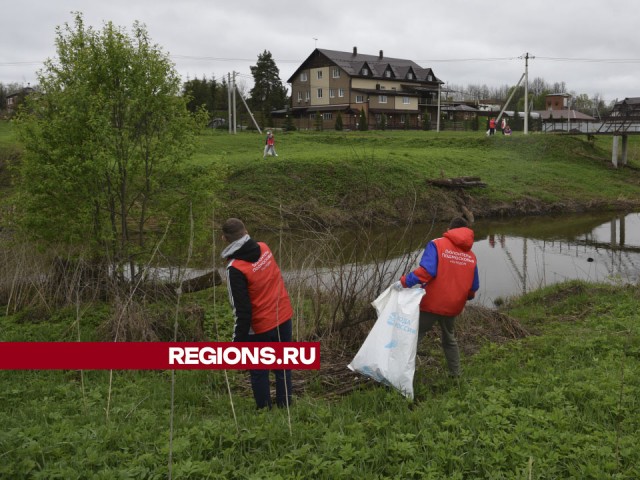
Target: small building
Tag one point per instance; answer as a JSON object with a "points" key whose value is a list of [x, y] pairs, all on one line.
{"points": [[557, 101], [558, 116], [16, 98]]}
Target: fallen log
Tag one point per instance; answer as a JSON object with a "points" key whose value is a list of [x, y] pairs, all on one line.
{"points": [[201, 282], [458, 182]]}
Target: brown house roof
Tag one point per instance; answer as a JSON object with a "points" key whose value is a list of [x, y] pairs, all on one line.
{"points": [[353, 62]]}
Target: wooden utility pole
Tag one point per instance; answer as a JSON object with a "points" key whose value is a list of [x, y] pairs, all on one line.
{"points": [[229, 99], [526, 93], [235, 121]]}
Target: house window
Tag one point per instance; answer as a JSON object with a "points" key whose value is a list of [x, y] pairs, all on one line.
{"points": [[410, 75], [387, 74], [341, 92], [307, 95], [365, 71], [403, 118], [327, 116], [332, 93], [303, 77], [382, 99], [405, 100], [319, 73], [319, 93], [359, 98], [336, 73], [299, 96], [429, 78]]}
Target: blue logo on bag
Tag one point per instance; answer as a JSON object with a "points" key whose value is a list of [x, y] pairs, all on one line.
{"points": [[401, 323], [391, 344]]}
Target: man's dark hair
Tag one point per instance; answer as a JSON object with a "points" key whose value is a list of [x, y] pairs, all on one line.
{"points": [[458, 222], [233, 229]]}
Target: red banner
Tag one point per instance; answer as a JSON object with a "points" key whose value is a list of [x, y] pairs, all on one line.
{"points": [[159, 355]]}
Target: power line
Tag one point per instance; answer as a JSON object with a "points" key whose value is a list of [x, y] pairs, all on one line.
{"points": [[591, 60], [428, 60]]}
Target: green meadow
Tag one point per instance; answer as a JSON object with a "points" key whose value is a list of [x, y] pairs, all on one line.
{"points": [[560, 401], [380, 175]]}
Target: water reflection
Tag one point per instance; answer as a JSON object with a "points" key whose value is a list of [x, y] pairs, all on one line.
{"points": [[515, 256]]}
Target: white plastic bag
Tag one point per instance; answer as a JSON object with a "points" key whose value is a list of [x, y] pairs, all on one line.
{"points": [[388, 354]]}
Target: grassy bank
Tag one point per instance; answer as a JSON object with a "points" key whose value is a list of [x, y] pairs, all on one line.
{"points": [[561, 403], [335, 178], [338, 178]]}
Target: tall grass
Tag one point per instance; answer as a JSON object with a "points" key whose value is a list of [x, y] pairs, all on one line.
{"points": [[559, 404]]}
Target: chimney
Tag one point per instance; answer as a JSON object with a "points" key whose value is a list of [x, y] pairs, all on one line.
{"points": [[380, 57], [355, 51]]}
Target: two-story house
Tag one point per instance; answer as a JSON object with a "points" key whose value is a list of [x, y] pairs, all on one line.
{"points": [[396, 91]]}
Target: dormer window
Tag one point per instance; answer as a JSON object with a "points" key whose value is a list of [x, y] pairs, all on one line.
{"points": [[387, 74], [429, 78], [365, 71], [410, 76]]}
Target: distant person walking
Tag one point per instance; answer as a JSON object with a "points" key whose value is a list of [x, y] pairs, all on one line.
{"points": [[270, 145], [448, 272], [503, 125], [492, 126]]}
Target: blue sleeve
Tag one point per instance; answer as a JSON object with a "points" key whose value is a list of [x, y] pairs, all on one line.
{"points": [[476, 280], [430, 259], [429, 262]]}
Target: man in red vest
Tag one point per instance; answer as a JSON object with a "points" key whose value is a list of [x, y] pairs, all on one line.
{"points": [[260, 303], [448, 272]]}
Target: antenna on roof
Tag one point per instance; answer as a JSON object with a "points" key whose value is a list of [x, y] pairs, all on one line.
{"points": [[316, 42]]}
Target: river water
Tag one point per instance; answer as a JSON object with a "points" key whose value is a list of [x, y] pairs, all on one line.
{"points": [[515, 256], [518, 256]]}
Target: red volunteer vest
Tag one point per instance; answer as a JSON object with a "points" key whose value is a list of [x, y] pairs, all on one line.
{"points": [[447, 293], [270, 304]]}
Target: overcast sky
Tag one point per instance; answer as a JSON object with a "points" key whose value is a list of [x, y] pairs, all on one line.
{"points": [[591, 45]]}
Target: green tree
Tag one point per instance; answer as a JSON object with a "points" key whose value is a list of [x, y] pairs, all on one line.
{"points": [[289, 126], [339, 126], [3, 97], [382, 125], [222, 96], [362, 122], [201, 93], [517, 122], [268, 92], [105, 140], [426, 121]]}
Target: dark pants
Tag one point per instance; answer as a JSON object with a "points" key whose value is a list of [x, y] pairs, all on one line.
{"points": [[449, 343], [260, 378]]}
